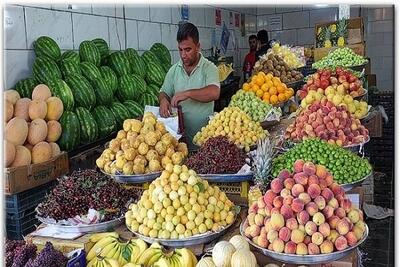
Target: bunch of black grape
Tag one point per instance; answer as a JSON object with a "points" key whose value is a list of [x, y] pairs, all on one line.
{"points": [[48, 257]]}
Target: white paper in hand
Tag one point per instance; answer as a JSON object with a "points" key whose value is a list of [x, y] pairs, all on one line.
{"points": [[171, 123]]}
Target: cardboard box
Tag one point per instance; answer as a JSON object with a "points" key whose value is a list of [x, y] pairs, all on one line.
{"points": [[323, 51], [22, 178], [355, 30]]}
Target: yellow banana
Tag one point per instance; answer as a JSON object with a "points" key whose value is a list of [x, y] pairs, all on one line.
{"points": [[154, 258], [92, 263], [111, 263], [135, 253], [146, 255], [121, 259], [185, 257], [194, 259], [117, 252], [98, 236], [112, 251], [176, 261], [99, 246], [100, 262], [162, 262], [156, 245], [141, 244], [105, 250], [131, 265]]}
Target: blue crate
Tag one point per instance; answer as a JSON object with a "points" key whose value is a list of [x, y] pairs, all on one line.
{"points": [[20, 224]]}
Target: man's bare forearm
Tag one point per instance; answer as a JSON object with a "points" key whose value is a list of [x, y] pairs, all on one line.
{"points": [[205, 94], [163, 96]]}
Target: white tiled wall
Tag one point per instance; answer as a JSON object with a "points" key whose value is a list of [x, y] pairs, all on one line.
{"points": [[122, 26]]}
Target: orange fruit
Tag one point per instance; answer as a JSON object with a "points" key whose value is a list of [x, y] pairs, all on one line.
{"points": [[264, 87], [246, 86], [261, 73], [273, 99], [255, 87], [268, 76], [269, 84], [281, 97], [280, 89], [272, 91], [291, 91], [253, 79], [259, 93], [259, 81], [266, 101], [288, 94], [266, 96], [276, 82]]}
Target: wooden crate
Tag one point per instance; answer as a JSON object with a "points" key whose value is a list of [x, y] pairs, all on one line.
{"points": [[322, 52], [355, 30]]}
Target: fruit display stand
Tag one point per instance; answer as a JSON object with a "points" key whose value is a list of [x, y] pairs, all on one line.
{"points": [[227, 91]]}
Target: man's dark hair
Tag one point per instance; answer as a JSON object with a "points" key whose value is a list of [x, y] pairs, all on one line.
{"points": [[187, 30], [262, 36], [252, 37]]}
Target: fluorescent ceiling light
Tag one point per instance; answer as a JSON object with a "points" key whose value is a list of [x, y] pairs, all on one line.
{"points": [[321, 5]]}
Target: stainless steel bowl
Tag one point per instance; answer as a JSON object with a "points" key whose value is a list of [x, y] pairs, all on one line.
{"points": [[348, 187], [133, 179], [227, 178], [87, 228]]}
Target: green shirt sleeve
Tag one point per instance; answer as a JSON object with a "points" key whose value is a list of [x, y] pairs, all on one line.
{"points": [[168, 86], [212, 76]]}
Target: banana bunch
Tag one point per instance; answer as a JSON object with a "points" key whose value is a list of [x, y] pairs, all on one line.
{"points": [[224, 70], [155, 256], [108, 249]]}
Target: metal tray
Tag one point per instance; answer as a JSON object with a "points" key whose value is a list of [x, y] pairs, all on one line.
{"points": [[305, 259], [348, 187], [357, 148], [360, 97], [91, 228], [227, 178], [133, 179], [185, 242]]}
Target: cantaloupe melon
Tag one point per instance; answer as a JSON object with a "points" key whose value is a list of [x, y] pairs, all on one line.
{"points": [[54, 131], [12, 96], [8, 110], [55, 108], [55, 149], [37, 109], [10, 152], [41, 152], [37, 131], [16, 131], [21, 108], [22, 157], [41, 92]]}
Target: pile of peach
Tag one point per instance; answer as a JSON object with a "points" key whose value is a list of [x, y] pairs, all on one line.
{"points": [[304, 213]]}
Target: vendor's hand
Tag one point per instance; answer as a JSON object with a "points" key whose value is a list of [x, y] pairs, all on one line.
{"points": [[181, 96], [165, 108]]}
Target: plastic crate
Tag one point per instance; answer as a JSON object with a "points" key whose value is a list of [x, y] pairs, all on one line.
{"points": [[20, 224], [241, 189]]}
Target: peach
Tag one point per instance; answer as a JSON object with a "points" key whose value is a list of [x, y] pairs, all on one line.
{"points": [[275, 211], [297, 189], [322, 183], [267, 224], [297, 236], [285, 192], [317, 238], [361, 224], [321, 171], [307, 240], [333, 221], [289, 183], [262, 242], [290, 247], [286, 211], [259, 220], [288, 200], [272, 235], [247, 232], [262, 212], [278, 245], [343, 227], [337, 189], [302, 228], [351, 238], [325, 229], [254, 230], [305, 197], [309, 168], [297, 205], [313, 179], [300, 178], [313, 249], [277, 221], [340, 212], [326, 247], [250, 218], [284, 234], [333, 203], [328, 212], [318, 218], [333, 235], [303, 217], [253, 208], [349, 222], [358, 232], [298, 165], [269, 196], [354, 216], [341, 243], [327, 194], [292, 224], [320, 201], [314, 190], [310, 228], [263, 232], [283, 175], [270, 247], [260, 203], [346, 205], [278, 202], [301, 249], [329, 179], [311, 208], [276, 185]]}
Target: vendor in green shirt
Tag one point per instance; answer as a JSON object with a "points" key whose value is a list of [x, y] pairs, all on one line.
{"points": [[193, 83]]}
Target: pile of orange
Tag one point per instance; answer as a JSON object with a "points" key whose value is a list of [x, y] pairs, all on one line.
{"points": [[269, 88]]}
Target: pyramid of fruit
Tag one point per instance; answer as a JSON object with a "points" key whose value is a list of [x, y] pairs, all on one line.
{"points": [[179, 204], [304, 212], [141, 147]]}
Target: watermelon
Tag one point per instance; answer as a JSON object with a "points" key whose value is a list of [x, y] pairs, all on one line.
{"points": [[166, 67], [45, 46], [90, 71], [162, 52], [149, 56], [130, 52], [60, 89], [155, 74], [72, 55], [105, 120], [103, 93], [102, 46], [119, 63], [82, 90], [88, 126], [45, 69], [69, 67], [120, 112], [130, 87], [138, 66], [152, 88], [70, 137], [25, 87], [110, 77], [88, 51], [148, 99], [136, 110]]}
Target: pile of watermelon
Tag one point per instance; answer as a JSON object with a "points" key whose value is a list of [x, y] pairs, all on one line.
{"points": [[99, 88]]}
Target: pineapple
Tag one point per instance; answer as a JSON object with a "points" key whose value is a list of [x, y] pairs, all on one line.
{"points": [[262, 161], [342, 32], [320, 37], [327, 42]]}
